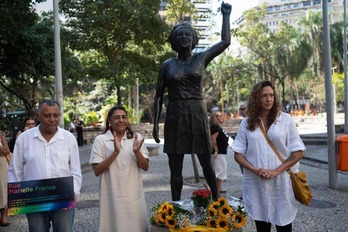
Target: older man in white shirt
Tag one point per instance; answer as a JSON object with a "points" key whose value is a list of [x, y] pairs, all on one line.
{"points": [[44, 152]]}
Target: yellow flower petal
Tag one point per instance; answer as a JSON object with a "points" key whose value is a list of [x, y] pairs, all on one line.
{"points": [[222, 223], [238, 220]]}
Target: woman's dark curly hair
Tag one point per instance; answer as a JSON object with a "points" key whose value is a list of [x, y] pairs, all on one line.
{"points": [[130, 132], [172, 36], [254, 105]]}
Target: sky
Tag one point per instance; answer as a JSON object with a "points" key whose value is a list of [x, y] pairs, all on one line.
{"points": [[238, 6], [44, 6]]}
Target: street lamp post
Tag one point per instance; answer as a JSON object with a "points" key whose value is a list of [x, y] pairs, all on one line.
{"points": [[333, 179], [345, 67], [138, 118], [57, 61]]}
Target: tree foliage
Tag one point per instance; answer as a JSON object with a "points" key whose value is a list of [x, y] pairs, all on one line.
{"points": [[27, 57], [108, 45], [121, 33], [278, 56], [311, 27], [179, 11], [26, 54]]}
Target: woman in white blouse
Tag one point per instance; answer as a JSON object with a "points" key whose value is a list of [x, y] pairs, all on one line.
{"points": [[266, 186]]}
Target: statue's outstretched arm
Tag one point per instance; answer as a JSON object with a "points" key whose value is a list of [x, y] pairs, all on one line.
{"points": [[225, 30], [219, 47]]}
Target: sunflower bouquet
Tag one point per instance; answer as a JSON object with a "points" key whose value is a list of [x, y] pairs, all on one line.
{"points": [[171, 216], [221, 215]]}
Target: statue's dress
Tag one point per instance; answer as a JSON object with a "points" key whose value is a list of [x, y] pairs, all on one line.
{"points": [[186, 129]]}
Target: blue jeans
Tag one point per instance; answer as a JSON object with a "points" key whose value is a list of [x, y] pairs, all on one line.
{"points": [[62, 221]]}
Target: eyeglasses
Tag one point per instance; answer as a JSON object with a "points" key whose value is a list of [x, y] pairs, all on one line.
{"points": [[218, 115], [242, 108]]}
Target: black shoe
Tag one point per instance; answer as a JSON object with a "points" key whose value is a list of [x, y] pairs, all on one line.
{"points": [[4, 224]]}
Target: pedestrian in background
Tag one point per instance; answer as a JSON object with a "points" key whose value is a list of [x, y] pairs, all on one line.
{"points": [[28, 124], [186, 129], [44, 152], [5, 157], [117, 157], [71, 126], [243, 110], [79, 130], [220, 143], [267, 191]]}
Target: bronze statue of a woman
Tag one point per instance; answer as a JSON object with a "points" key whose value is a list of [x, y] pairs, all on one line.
{"points": [[186, 128]]}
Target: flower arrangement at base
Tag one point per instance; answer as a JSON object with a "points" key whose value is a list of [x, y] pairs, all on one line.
{"points": [[221, 215], [201, 197]]}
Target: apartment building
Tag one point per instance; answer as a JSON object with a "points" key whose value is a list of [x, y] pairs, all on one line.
{"points": [[290, 11]]}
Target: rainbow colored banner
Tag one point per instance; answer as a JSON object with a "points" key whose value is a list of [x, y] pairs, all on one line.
{"points": [[40, 195]]}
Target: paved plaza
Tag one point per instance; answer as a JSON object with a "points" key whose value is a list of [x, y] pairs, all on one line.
{"points": [[328, 210]]}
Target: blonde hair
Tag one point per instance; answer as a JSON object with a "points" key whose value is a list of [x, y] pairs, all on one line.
{"points": [[214, 120]]}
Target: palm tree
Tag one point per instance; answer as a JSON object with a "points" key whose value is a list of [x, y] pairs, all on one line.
{"points": [[311, 27]]}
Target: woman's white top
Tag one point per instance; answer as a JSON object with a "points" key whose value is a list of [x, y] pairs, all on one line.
{"points": [[269, 200]]}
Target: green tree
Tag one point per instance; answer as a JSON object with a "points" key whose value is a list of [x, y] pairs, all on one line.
{"points": [[16, 17], [122, 34], [336, 40], [27, 65], [311, 27], [280, 56], [228, 81], [291, 56], [27, 56], [178, 11], [312, 31]]}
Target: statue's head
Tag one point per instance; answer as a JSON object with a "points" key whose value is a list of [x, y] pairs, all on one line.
{"points": [[172, 37]]}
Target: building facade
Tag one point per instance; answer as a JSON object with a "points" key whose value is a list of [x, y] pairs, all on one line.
{"points": [[290, 11]]}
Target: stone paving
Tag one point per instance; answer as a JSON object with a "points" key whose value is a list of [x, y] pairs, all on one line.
{"points": [[327, 213]]}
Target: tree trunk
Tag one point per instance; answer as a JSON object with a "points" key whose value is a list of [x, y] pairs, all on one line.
{"points": [[119, 98]]}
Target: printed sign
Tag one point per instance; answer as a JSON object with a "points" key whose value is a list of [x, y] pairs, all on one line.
{"points": [[40, 195]]}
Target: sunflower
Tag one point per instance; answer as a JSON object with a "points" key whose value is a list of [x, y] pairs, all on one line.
{"points": [[164, 206], [225, 210], [211, 223], [170, 223], [215, 204], [170, 210], [222, 223], [222, 201], [238, 220], [212, 211], [162, 216], [157, 219]]}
